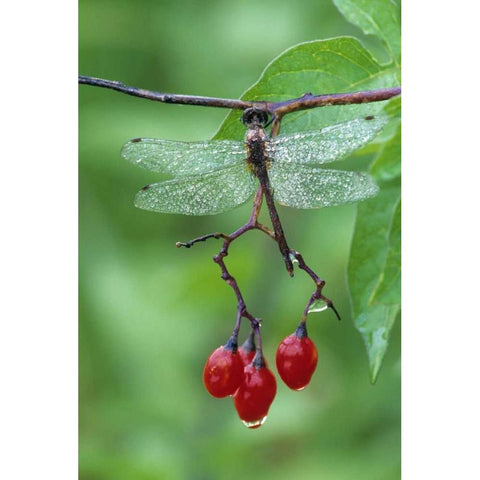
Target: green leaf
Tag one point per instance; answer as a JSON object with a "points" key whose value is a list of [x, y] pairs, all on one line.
{"points": [[390, 130], [376, 17], [374, 265], [323, 66], [387, 165], [393, 107], [375, 324]]}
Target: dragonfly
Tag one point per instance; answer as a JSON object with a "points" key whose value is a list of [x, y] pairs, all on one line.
{"points": [[211, 177]]}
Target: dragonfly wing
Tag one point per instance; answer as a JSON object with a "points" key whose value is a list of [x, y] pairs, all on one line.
{"points": [[181, 159], [326, 145], [304, 186], [208, 194]]}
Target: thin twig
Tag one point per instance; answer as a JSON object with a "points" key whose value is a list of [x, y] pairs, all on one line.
{"points": [[313, 101], [203, 238], [167, 97], [225, 275], [277, 109], [317, 294]]}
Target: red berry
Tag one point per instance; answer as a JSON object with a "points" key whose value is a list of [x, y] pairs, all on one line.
{"points": [[256, 393], [246, 356], [223, 372], [296, 359]]}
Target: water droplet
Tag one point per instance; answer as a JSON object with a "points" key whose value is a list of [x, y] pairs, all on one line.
{"points": [[317, 306], [256, 423]]}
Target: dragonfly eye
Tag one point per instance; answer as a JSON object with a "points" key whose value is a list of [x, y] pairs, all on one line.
{"points": [[254, 117]]}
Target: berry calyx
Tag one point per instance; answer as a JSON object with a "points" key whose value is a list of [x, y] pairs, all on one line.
{"points": [[247, 349], [253, 398], [297, 359], [223, 370]]}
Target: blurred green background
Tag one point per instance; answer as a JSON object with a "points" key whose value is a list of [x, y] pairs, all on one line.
{"points": [[150, 314]]}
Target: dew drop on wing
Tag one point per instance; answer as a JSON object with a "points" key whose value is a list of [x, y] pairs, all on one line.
{"points": [[209, 194], [304, 186], [316, 147], [179, 159]]}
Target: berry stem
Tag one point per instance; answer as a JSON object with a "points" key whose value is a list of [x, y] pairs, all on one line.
{"points": [[301, 330], [258, 351], [258, 360], [317, 294], [232, 343], [249, 344]]}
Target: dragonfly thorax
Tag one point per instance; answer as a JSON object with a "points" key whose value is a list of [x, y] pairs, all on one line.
{"points": [[256, 139]]}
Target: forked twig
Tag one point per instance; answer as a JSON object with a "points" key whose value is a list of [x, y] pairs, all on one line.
{"points": [[242, 311]]}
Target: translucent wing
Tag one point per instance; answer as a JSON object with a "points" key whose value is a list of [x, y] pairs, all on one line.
{"points": [[326, 145], [180, 159], [304, 186], [207, 194]]}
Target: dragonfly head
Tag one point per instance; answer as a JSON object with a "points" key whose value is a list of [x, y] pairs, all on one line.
{"points": [[254, 117]]}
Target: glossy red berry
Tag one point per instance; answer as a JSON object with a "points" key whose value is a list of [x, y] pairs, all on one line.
{"points": [[256, 393], [223, 372], [296, 359]]}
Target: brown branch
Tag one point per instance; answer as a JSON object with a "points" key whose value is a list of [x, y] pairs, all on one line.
{"points": [[168, 97], [277, 109], [312, 101], [225, 274], [308, 101]]}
